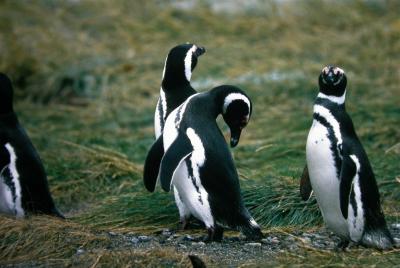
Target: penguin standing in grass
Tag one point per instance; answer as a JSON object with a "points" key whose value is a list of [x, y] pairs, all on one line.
{"points": [[175, 85], [23, 182], [198, 164], [339, 170]]}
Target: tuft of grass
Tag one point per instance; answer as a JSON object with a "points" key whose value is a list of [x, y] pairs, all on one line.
{"points": [[279, 204]]}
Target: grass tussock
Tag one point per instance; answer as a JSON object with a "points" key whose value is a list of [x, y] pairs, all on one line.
{"points": [[87, 75]]}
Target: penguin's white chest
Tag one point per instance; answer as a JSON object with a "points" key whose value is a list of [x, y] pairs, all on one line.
{"points": [[323, 177]]}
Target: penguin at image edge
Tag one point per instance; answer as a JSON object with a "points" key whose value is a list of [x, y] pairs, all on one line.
{"points": [[23, 181], [198, 163], [338, 171]]}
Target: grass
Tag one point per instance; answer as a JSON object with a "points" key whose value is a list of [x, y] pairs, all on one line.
{"points": [[87, 76]]}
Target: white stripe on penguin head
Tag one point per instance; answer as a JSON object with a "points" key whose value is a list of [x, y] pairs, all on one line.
{"points": [[232, 97], [165, 66], [15, 178], [188, 62]]}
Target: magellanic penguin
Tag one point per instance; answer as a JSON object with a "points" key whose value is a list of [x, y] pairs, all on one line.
{"points": [[23, 183], [175, 86], [198, 164], [339, 170]]}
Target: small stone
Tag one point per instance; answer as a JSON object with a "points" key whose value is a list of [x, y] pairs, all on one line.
{"points": [[143, 238], [134, 240], [254, 244], [396, 241], [188, 238], [80, 251], [396, 225], [182, 246], [166, 232], [265, 240], [275, 240], [198, 244], [112, 233]]}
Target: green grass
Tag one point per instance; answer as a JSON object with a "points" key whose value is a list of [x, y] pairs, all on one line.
{"points": [[87, 76]]}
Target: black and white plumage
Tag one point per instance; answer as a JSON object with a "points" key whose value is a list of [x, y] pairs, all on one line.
{"points": [[175, 86], [23, 182], [339, 172], [198, 164]]}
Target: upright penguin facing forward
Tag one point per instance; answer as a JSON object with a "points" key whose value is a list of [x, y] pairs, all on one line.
{"points": [[198, 164], [23, 182], [339, 170], [175, 86]]}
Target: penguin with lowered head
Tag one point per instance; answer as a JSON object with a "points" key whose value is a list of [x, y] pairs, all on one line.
{"points": [[198, 164]]}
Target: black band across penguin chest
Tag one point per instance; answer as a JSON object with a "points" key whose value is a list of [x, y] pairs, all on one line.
{"points": [[335, 146]]}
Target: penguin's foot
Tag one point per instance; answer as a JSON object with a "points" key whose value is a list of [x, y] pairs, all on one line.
{"points": [[183, 224], [215, 234], [342, 245]]}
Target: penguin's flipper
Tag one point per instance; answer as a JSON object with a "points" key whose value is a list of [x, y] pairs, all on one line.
{"points": [[176, 153], [347, 174], [152, 164], [305, 185]]}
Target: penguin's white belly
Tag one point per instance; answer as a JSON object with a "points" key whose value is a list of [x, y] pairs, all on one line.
{"points": [[192, 193], [324, 180]]}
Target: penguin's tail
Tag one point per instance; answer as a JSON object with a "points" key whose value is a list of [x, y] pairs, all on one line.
{"points": [[251, 229], [379, 238], [55, 212]]}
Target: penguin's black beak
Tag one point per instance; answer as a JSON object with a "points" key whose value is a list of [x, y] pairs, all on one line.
{"points": [[199, 51], [235, 136]]}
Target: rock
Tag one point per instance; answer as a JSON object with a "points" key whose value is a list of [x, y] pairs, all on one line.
{"points": [[134, 240], [188, 238], [275, 240], [80, 251], [182, 246], [253, 244], [265, 241], [198, 244], [395, 225], [143, 238], [166, 232], [112, 233]]}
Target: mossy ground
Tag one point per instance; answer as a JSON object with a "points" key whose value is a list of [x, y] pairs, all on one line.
{"points": [[87, 76]]}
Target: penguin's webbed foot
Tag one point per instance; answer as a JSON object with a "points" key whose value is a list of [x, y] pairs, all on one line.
{"points": [[342, 245]]}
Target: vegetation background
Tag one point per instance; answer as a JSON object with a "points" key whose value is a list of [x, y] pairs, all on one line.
{"points": [[87, 77]]}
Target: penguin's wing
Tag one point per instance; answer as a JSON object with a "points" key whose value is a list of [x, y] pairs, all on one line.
{"points": [[347, 173], [305, 185], [176, 153], [152, 164]]}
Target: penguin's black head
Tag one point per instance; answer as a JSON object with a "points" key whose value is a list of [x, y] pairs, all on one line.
{"points": [[236, 113], [332, 81], [181, 61], [6, 94]]}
